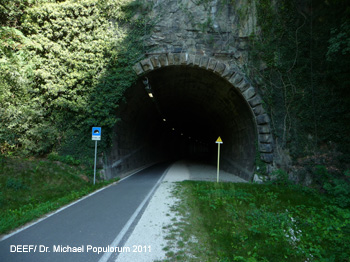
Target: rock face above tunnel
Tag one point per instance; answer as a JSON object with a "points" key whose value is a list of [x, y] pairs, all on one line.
{"points": [[213, 28]]}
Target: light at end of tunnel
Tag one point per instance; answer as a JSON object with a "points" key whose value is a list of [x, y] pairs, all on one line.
{"points": [[150, 95], [173, 129], [164, 119]]}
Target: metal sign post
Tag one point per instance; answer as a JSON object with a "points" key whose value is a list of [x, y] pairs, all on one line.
{"points": [[95, 161], [218, 141], [96, 135]]}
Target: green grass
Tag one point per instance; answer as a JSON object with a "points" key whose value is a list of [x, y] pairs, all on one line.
{"points": [[251, 222], [32, 188]]}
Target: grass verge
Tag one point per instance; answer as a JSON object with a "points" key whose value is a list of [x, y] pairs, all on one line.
{"points": [[32, 188], [251, 222]]}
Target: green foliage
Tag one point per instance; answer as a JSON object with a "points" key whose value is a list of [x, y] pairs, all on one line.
{"points": [[15, 184], [280, 177], [64, 68], [31, 188], [250, 222], [17, 112], [304, 92], [336, 186], [2, 200], [68, 159], [326, 176], [12, 11], [339, 43]]}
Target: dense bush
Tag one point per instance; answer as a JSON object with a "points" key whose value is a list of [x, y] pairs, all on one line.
{"points": [[64, 68], [300, 60]]}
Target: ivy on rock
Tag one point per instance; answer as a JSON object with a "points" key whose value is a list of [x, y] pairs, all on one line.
{"points": [[66, 66]]}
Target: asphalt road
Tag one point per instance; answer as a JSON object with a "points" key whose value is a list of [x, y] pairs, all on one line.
{"points": [[87, 226]]}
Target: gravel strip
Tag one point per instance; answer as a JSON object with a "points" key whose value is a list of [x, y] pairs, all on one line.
{"points": [[148, 237], [202, 172]]}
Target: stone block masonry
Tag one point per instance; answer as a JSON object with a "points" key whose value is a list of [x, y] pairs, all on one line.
{"points": [[235, 76]]}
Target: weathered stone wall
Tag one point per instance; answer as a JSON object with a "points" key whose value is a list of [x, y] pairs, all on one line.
{"points": [[217, 28]]}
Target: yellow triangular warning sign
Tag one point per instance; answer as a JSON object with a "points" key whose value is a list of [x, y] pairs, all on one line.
{"points": [[219, 140]]}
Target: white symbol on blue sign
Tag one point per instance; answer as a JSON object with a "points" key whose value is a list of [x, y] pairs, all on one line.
{"points": [[96, 133]]}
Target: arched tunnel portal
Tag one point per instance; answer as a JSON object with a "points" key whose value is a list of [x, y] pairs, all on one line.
{"points": [[178, 108]]}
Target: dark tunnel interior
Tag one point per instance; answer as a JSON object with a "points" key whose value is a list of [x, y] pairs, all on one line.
{"points": [[178, 112]]}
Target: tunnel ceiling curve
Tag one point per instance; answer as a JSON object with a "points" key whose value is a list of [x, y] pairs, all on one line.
{"points": [[200, 99], [199, 103]]}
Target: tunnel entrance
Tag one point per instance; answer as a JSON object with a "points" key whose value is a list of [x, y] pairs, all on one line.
{"points": [[178, 111]]}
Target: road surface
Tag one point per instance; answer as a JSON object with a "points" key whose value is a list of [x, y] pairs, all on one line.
{"points": [[83, 231]]}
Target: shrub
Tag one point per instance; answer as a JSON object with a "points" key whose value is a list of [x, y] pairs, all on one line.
{"points": [[280, 177], [336, 186], [15, 184], [1, 199], [68, 159]]}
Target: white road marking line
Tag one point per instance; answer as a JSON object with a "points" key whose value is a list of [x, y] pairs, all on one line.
{"points": [[126, 227], [64, 207]]}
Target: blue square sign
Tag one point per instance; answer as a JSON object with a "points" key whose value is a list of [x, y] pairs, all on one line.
{"points": [[96, 133]]}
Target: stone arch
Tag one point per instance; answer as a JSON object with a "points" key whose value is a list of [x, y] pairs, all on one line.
{"points": [[230, 73]]}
